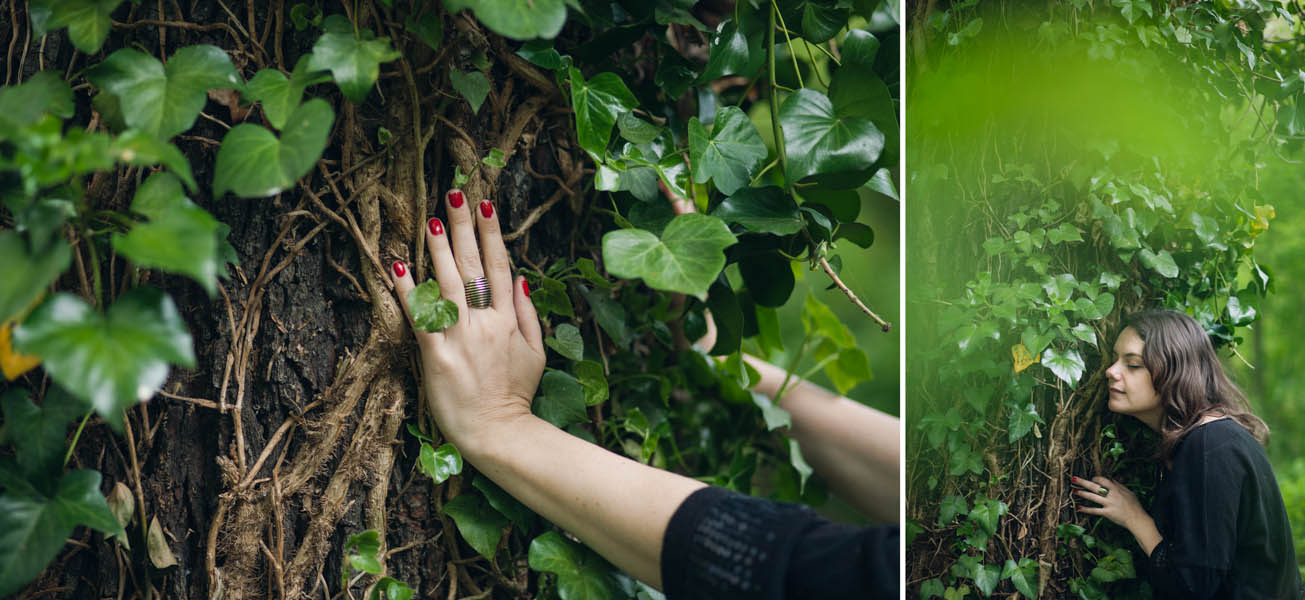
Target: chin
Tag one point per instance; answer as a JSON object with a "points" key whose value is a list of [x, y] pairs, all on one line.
{"points": [[1115, 406]]}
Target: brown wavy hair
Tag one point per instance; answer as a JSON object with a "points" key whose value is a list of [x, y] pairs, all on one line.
{"points": [[1188, 377]]}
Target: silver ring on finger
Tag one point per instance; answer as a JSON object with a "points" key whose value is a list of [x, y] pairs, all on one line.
{"points": [[477, 291]]}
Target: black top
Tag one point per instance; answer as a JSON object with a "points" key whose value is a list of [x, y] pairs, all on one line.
{"points": [[722, 545], [1225, 530]]}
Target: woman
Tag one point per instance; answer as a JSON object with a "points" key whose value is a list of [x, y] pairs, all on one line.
{"points": [[1219, 528], [671, 531]]}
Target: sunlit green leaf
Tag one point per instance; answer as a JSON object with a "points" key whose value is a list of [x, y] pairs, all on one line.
{"points": [[820, 142], [179, 236], [517, 19], [253, 163], [1066, 365], [111, 360], [23, 104], [135, 147], [87, 20], [1162, 262], [164, 101], [686, 258], [731, 155], [598, 102], [594, 382], [430, 311], [354, 61], [280, 95], [439, 463]]}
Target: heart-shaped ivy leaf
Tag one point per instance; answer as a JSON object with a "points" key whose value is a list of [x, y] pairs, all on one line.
{"points": [[819, 142], [821, 23], [179, 237], [728, 52], [26, 274], [363, 550], [581, 573], [686, 258], [1067, 365], [731, 155], [566, 340], [111, 360], [22, 104], [164, 101], [472, 85], [440, 463], [517, 19], [598, 102], [561, 400], [431, 312], [761, 210], [504, 503], [354, 61], [279, 94], [254, 163], [860, 47], [857, 92], [33, 529], [39, 433], [135, 147], [87, 20], [477, 521]]}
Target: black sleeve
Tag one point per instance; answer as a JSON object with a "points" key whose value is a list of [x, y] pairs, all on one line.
{"points": [[722, 545], [1199, 525]]}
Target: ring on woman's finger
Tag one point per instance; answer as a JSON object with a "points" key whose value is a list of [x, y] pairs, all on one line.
{"points": [[1103, 492], [477, 291]]}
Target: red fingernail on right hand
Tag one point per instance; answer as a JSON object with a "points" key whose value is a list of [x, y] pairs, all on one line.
{"points": [[455, 198], [399, 269], [525, 287], [436, 226]]}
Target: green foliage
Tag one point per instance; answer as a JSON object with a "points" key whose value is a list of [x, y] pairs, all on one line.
{"points": [[598, 102], [581, 574], [686, 258], [517, 19], [439, 463], [352, 56], [164, 101], [430, 311], [822, 142], [280, 95], [253, 162], [87, 20], [478, 522], [473, 86], [179, 236]]}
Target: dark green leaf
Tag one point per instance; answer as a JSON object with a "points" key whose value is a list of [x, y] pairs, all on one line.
{"points": [[392, 589], [686, 259], [1023, 575], [986, 578], [472, 85], [504, 503], [279, 94], [593, 380], [477, 521], [542, 53], [566, 341], [430, 311], [440, 463], [986, 513], [581, 574], [819, 142], [728, 52], [354, 62], [135, 147], [598, 102], [725, 311], [769, 277], [179, 237], [39, 433], [821, 23], [368, 548], [561, 401], [611, 316], [254, 163], [87, 21], [636, 130], [762, 210], [731, 155], [1022, 421], [844, 205], [429, 29], [164, 101], [517, 19], [950, 507], [857, 233], [858, 92], [112, 360], [860, 48], [27, 275], [23, 104]]}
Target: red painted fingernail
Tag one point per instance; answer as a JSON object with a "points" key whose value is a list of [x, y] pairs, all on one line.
{"points": [[486, 209], [399, 269], [436, 226], [525, 287], [455, 198], [1073, 479]]}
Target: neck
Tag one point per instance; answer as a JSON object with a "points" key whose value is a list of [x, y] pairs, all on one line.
{"points": [[1151, 418]]}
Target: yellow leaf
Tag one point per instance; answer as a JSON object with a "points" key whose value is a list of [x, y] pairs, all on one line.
{"points": [[12, 363], [1022, 357], [1263, 214]]}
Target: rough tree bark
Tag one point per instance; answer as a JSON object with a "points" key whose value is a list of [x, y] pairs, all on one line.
{"points": [[287, 437]]}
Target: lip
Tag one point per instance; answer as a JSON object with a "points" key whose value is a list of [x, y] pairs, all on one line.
{"points": [[1116, 391]]}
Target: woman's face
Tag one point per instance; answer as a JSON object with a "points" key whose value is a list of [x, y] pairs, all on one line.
{"points": [[1131, 392]]}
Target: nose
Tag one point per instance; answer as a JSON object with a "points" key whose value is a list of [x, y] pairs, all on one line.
{"points": [[1112, 373]]}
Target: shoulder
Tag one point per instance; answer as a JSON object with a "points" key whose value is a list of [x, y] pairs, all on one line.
{"points": [[1222, 441]]}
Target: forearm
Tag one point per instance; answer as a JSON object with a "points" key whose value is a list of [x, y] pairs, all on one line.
{"points": [[1144, 530], [615, 505], [854, 447]]}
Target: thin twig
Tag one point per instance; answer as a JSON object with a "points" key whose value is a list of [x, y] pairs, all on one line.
{"points": [[824, 264]]}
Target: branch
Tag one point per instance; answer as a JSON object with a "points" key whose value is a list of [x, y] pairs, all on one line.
{"points": [[886, 326]]}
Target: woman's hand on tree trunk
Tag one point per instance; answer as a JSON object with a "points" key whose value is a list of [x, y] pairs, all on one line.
{"points": [[483, 370], [1119, 504]]}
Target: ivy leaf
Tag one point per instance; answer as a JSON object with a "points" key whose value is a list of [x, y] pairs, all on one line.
{"points": [[429, 29], [354, 63], [164, 101], [821, 23], [849, 369], [517, 19], [27, 274], [598, 103], [686, 258], [472, 85], [562, 401], [111, 360], [477, 521], [430, 311], [611, 316], [1240, 315], [1162, 262], [772, 413], [593, 381], [581, 573], [1022, 575], [636, 130], [986, 513], [1064, 233], [950, 507], [440, 463], [33, 529], [860, 47], [1022, 421], [728, 52], [392, 589], [279, 94], [179, 237], [39, 433], [857, 233], [504, 503], [769, 277], [731, 155], [23, 104], [368, 546], [761, 210], [254, 163], [135, 147], [566, 341], [818, 319], [858, 92], [819, 142], [986, 578], [87, 20], [1067, 365]]}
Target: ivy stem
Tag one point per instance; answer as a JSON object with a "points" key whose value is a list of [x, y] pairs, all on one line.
{"points": [[95, 272], [792, 367], [824, 264], [775, 130], [76, 436]]}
